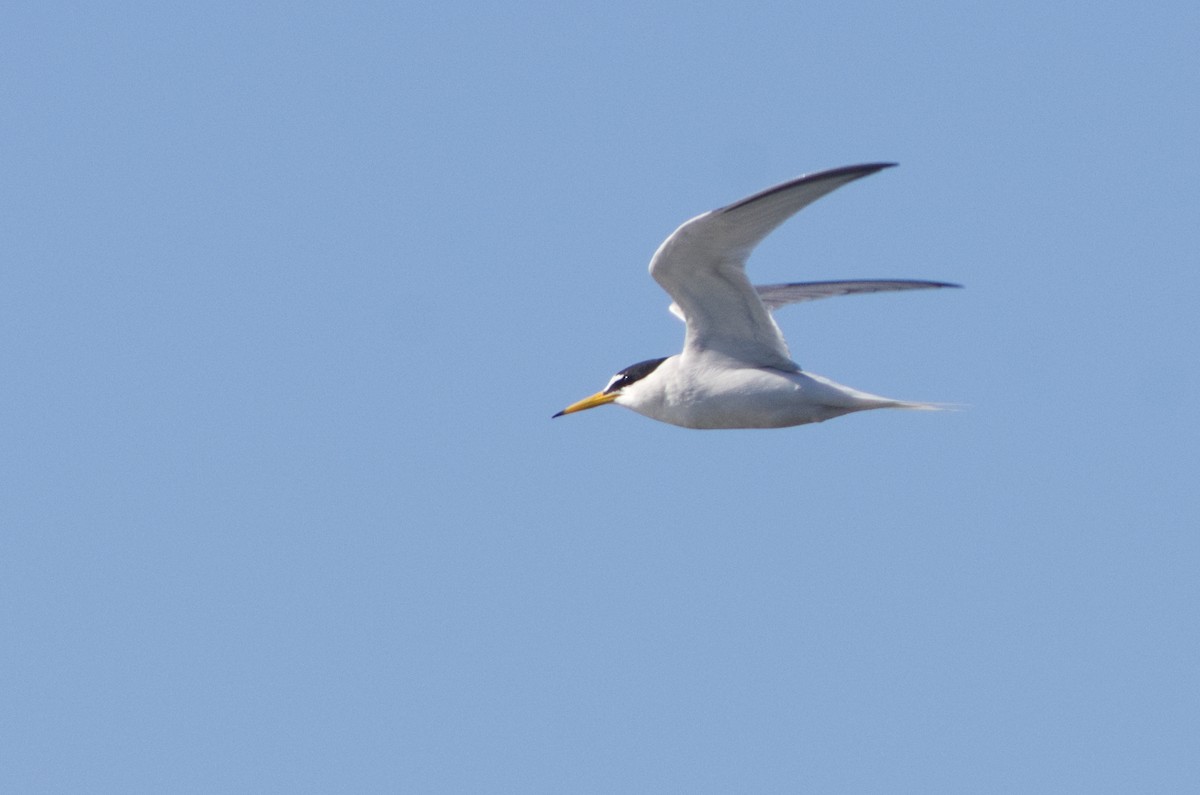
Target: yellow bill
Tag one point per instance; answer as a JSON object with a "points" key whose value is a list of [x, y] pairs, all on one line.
{"points": [[598, 399]]}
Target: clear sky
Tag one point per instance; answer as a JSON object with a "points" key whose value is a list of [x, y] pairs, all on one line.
{"points": [[290, 291]]}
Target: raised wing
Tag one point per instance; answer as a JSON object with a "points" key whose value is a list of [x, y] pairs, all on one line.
{"points": [[774, 296], [702, 266]]}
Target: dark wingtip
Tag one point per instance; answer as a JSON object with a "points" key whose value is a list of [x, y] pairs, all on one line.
{"points": [[559, 414], [867, 168], [858, 170], [843, 173]]}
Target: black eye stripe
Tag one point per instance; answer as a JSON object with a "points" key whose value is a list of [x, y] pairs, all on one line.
{"points": [[633, 373]]}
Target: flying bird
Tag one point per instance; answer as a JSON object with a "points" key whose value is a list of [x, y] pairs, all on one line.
{"points": [[735, 370]]}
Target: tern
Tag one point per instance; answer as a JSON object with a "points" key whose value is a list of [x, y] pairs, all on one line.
{"points": [[735, 370]]}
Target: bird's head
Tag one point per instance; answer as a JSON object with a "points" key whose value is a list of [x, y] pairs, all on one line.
{"points": [[618, 385]]}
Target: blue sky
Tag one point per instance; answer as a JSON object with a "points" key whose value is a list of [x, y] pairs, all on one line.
{"points": [[291, 291]]}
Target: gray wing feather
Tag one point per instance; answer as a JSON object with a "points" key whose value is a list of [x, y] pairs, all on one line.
{"points": [[776, 295]]}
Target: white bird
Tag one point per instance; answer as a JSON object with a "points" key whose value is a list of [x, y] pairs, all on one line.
{"points": [[735, 370]]}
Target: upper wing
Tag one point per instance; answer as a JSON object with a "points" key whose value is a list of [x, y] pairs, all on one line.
{"points": [[702, 266], [774, 296]]}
